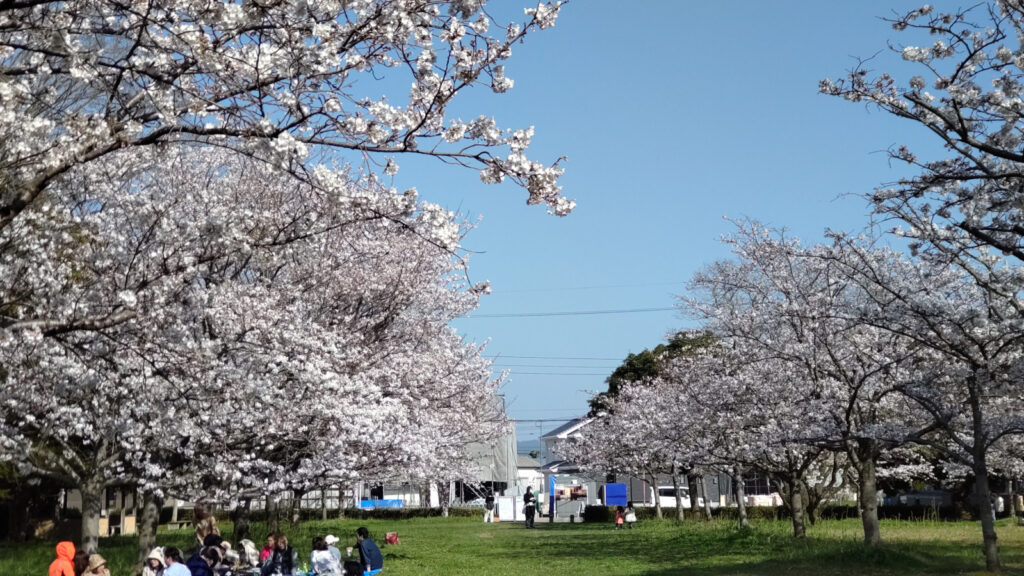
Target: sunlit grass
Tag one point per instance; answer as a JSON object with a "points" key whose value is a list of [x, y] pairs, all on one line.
{"points": [[465, 547]]}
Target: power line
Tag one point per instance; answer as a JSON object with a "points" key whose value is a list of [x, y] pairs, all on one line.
{"points": [[503, 364], [554, 357], [574, 313], [568, 410], [514, 373], [592, 287], [543, 419]]}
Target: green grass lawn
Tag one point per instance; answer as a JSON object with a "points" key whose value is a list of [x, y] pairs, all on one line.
{"points": [[465, 547]]}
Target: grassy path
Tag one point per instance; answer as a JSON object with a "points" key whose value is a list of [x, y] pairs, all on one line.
{"points": [[463, 547]]}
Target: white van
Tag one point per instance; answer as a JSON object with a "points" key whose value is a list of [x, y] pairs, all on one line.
{"points": [[667, 497]]}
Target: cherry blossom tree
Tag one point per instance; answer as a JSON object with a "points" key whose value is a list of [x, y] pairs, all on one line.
{"points": [[713, 430], [966, 374], [967, 93], [162, 301], [796, 309], [80, 80], [202, 323], [962, 212]]}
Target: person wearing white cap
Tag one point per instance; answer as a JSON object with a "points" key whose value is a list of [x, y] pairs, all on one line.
{"points": [[331, 540], [321, 561]]}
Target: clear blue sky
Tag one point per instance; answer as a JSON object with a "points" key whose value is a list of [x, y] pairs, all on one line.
{"points": [[673, 115]]}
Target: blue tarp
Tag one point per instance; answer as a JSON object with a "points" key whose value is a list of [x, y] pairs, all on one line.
{"points": [[371, 504], [615, 495]]}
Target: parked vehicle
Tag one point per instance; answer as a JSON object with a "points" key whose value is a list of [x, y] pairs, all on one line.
{"points": [[667, 496]]}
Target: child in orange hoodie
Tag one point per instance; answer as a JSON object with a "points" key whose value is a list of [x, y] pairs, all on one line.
{"points": [[62, 566]]}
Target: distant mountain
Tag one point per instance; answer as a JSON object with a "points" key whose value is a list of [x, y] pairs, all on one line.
{"points": [[526, 445]]}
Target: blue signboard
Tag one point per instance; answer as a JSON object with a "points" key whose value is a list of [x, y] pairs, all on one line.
{"points": [[551, 493], [615, 495], [372, 504]]}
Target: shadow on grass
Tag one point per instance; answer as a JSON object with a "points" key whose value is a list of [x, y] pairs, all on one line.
{"points": [[667, 549]]}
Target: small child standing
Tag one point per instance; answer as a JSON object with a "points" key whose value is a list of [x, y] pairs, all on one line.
{"points": [[630, 515], [620, 517]]}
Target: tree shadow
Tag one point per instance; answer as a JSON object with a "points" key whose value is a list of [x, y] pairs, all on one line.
{"points": [[711, 550]]}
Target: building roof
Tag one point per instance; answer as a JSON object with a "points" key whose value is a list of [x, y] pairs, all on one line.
{"points": [[560, 467], [569, 427]]}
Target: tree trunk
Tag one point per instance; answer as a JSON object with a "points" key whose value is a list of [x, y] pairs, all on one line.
{"points": [[61, 505], [810, 503], [273, 521], [147, 526], [341, 501], [987, 513], [796, 508], [657, 497], [691, 485], [240, 518], [1013, 500], [981, 488], [741, 496], [446, 499], [93, 492], [867, 493], [296, 507], [19, 514], [707, 497], [679, 497], [323, 503]]}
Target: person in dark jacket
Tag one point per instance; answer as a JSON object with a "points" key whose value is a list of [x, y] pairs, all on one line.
{"points": [[530, 506], [201, 563], [283, 561], [369, 554]]}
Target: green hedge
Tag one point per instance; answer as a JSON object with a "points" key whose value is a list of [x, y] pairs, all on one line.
{"points": [[833, 512], [607, 513], [260, 514]]}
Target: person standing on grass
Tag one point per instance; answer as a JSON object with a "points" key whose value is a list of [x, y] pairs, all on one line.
{"points": [[204, 523], [63, 566], [630, 515], [175, 565], [620, 517], [530, 506], [369, 554], [489, 507]]}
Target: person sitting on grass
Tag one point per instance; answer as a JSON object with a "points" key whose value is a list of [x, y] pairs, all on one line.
{"points": [[268, 549], [154, 565], [283, 561], [81, 562], [62, 566], [331, 540], [174, 563], [322, 561], [97, 566], [369, 554], [202, 563]]}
